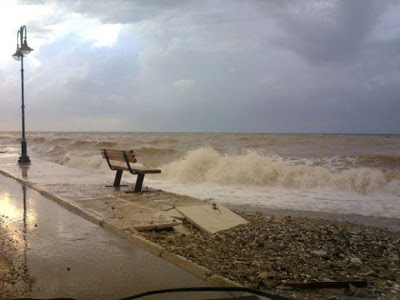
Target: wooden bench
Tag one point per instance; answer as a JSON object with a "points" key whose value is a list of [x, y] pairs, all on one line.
{"points": [[114, 157]]}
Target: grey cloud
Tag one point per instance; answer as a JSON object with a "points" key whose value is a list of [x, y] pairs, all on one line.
{"points": [[335, 33], [267, 66]]}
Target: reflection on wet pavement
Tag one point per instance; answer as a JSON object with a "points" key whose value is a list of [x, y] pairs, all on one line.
{"points": [[70, 257], [24, 234]]}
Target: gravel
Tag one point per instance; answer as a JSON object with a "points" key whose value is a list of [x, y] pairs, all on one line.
{"points": [[273, 250]]}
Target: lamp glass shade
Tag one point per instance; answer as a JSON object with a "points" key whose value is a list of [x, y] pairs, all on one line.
{"points": [[25, 49], [17, 55]]}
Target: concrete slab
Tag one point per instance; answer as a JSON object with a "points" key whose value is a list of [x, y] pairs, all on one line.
{"points": [[173, 213], [209, 219]]}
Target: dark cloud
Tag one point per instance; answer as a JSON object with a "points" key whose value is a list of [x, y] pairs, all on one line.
{"points": [[337, 32], [264, 66]]}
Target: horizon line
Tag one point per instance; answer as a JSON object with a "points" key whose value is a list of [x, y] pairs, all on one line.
{"points": [[210, 132]]}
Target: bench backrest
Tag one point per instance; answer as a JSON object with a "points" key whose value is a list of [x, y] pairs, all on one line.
{"points": [[119, 155]]}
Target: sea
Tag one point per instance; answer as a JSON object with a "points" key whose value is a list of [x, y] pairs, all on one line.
{"points": [[332, 173]]}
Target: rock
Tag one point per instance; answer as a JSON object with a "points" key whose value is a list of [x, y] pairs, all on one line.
{"points": [[256, 263], [270, 284], [319, 253], [264, 275], [352, 290], [181, 229], [368, 273], [355, 260], [272, 245], [269, 218], [396, 287]]}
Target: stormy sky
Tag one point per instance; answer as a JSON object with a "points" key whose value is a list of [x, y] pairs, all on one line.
{"points": [[212, 65]]}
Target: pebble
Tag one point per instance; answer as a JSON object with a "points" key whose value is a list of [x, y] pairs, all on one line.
{"points": [[356, 260], [319, 253]]}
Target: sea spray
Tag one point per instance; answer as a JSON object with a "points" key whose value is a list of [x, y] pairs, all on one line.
{"points": [[206, 165], [94, 163]]}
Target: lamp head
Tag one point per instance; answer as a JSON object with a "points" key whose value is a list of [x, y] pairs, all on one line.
{"points": [[25, 49], [18, 54]]}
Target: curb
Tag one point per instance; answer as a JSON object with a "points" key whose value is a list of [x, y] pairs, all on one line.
{"points": [[133, 236]]}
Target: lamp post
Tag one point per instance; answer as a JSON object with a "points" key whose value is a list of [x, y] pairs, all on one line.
{"points": [[19, 55]]}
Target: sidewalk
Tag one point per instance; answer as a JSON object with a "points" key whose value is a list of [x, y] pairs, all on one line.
{"points": [[86, 194], [56, 253]]}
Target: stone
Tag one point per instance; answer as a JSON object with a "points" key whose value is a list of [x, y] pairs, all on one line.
{"points": [[319, 253], [355, 260], [353, 289], [266, 275], [181, 229], [272, 245], [263, 275], [256, 263]]}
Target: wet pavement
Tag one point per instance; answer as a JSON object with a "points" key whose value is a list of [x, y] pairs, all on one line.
{"points": [[69, 256], [89, 194]]}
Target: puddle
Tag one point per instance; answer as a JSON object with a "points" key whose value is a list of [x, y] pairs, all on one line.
{"points": [[70, 257]]}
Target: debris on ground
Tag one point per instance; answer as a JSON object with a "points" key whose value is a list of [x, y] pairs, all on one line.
{"points": [[271, 252]]}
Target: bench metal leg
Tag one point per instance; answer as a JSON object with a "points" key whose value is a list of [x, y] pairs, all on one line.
{"points": [[139, 183], [117, 179]]}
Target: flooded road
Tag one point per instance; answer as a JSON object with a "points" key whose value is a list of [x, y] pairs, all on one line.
{"points": [[67, 256]]}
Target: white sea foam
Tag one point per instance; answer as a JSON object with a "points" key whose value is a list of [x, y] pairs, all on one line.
{"points": [[278, 198], [206, 165], [92, 163]]}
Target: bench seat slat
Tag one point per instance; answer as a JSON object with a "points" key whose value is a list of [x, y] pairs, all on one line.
{"points": [[152, 171], [149, 171]]}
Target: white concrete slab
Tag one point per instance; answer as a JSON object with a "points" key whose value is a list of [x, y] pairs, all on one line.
{"points": [[210, 219]]}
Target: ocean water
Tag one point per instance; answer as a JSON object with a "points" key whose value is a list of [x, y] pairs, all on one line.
{"points": [[346, 174]]}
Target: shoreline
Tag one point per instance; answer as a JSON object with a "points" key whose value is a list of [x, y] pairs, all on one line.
{"points": [[392, 224]]}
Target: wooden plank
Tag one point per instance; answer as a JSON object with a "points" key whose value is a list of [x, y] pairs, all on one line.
{"points": [[130, 155], [326, 284], [113, 154], [210, 219], [118, 155], [138, 171], [146, 171]]}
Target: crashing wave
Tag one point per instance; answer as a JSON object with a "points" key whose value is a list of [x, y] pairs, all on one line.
{"points": [[206, 165]]}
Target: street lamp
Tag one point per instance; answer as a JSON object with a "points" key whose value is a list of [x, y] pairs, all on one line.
{"points": [[19, 55]]}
